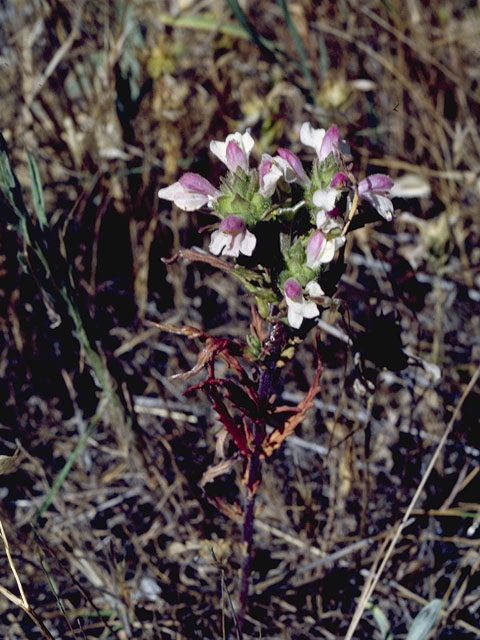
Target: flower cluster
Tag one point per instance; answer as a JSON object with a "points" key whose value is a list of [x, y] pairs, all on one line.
{"points": [[279, 189]]}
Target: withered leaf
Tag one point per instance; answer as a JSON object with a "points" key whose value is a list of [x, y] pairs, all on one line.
{"points": [[9, 464], [276, 437]]}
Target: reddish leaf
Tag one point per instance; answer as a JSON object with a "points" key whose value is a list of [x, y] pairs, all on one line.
{"points": [[276, 437]]}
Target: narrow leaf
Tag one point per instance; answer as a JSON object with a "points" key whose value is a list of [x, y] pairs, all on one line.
{"points": [[302, 54], [10, 186], [37, 191], [382, 623], [425, 620]]}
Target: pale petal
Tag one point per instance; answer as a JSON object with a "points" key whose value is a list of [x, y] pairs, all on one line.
{"points": [[295, 166], [375, 182], [311, 137], [295, 318], [184, 199], [218, 242], [328, 252], [235, 157], [310, 310], [243, 140], [382, 204], [325, 198], [248, 244], [269, 174], [314, 290], [330, 142], [233, 247]]}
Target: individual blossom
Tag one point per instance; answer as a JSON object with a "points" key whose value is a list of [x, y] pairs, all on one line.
{"points": [[191, 192], [294, 171], [320, 250], [235, 151], [324, 142], [232, 238], [330, 222], [269, 173], [324, 200], [374, 190], [298, 307]]}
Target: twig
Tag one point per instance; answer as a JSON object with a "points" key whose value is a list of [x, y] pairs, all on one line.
{"points": [[351, 213]]}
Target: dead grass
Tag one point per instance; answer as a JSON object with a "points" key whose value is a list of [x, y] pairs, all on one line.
{"points": [[115, 100]]}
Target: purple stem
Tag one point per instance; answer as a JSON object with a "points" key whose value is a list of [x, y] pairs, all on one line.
{"points": [[265, 387]]}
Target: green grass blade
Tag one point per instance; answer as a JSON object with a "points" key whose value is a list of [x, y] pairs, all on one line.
{"points": [[37, 191], [12, 191], [302, 54], [71, 460], [425, 620], [204, 23], [262, 43]]}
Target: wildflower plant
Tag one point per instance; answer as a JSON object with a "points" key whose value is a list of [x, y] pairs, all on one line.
{"points": [[281, 228]]}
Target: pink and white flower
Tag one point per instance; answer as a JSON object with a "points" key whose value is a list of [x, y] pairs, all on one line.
{"points": [[320, 250], [294, 169], [190, 193], [269, 173], [232, 238], [325, 200], [235, 151], [324, 142], [374, 190], [298, 307]]}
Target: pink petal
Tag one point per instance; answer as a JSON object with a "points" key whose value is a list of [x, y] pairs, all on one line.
{"points": [[375, 182], [295, 163], [330, 142], [236, 157], [184, 199], [197, 184], [233, 225], [339, 180], [292, 288], [315, 247]]}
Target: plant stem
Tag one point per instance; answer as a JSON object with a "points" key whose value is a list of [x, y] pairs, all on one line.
{"points": [[254, 468], [254, 475]]}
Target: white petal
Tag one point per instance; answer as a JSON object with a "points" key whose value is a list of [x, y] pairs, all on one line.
{"points": [[311, 137], [186, 200], [325, 198], [321, 218], [248, 243], [310, 310], [382, 204], [245, 141], [219, 149], [328, 252], [270, 180], [314, 290], [285, 168], [218, 242], [295, 318]]}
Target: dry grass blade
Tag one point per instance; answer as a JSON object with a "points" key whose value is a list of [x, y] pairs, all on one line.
{"points": [[21, 602]]}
